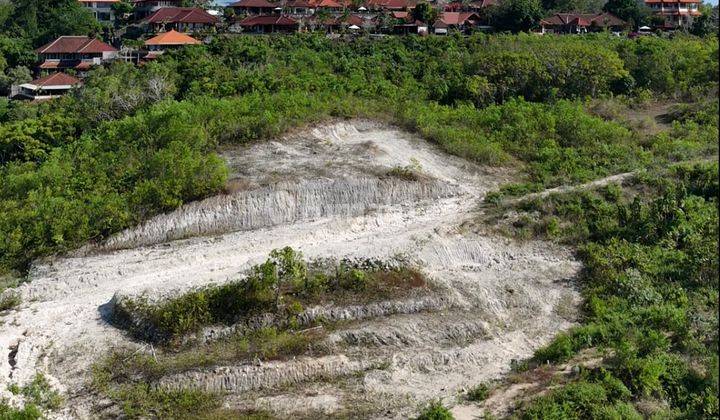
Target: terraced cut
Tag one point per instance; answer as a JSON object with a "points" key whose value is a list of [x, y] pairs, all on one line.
{"points": [[356, 190]]}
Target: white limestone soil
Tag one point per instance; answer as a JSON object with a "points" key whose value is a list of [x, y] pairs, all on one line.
{"points": [[324, 191]]}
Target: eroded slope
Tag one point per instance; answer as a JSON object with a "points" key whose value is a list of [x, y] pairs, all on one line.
{"points": [[357, 190]]}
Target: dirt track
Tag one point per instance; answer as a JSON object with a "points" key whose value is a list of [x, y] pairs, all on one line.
{"points": [[326, 192]]}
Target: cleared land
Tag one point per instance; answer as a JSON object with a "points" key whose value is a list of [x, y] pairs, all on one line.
{"points": [[354, 190]]}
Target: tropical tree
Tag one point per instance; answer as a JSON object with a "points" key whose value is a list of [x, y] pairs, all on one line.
{"points": [[630, 10], [44, 20], [424, 12], [517, 15]]}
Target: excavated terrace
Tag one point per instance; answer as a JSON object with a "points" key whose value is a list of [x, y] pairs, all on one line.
{"points": [[330, 192]]}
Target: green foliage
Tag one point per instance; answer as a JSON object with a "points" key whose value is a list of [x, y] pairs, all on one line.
{"points": [[582, 400], [143, 400], [630, 10], [586, 6], [29, 412], [278, 285], [39, 393], [651, 287], [478, 394], [138, 141], [425, 12], [517, 15], [44, 20], [435, 410], [129, 377]]}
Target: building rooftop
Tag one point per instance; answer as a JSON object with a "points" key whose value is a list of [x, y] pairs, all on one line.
{"points": [[55, 80], [268, 20], [181, 15], [75, 45], [254, 3], [172, 38]]}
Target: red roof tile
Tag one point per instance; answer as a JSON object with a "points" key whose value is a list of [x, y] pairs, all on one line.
{"points": [[181, 15], [172, 38], [457, 18], [268, 20], [328, 4], [579, 19], [56, 79], [254, 3], [75, 45]]}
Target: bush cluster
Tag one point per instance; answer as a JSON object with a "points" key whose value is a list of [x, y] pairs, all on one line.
{"points": [[280, 285]]}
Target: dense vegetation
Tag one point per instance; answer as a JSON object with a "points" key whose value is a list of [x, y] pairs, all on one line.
{"points": [[135, 142], [651, 291]]}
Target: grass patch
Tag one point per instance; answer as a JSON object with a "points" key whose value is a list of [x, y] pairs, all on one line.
{"points": [[128, 378]]}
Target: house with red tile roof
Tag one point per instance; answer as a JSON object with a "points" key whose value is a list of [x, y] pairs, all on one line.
{"points": [[575, 23], [182, 19], [309, 7], [101, 9], [74, 52], [172, 39], [458, 21], [269, 24], [254, 7], [47, 87], [675, 13], [391, 4], [144, 8]]}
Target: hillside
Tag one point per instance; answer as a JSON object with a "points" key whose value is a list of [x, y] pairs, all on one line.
{"points": [[297, 226]]}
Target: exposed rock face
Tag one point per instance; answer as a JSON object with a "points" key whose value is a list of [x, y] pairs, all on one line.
{"points": [[245, 378], [326, 192], [282, 203]]}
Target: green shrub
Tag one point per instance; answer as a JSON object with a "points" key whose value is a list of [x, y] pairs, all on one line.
{"points": [[29, 412], [478, 393], [435, 410]]}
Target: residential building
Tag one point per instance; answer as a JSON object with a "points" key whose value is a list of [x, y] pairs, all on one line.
{"points": [[157, 45], [181, 19], [101, 9], [79, 53], [577, 23], [676, 13], [47, 87], [457, 21], [269, 24], [144, 8], [406, 24], [391, 4], [253, 7]]}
